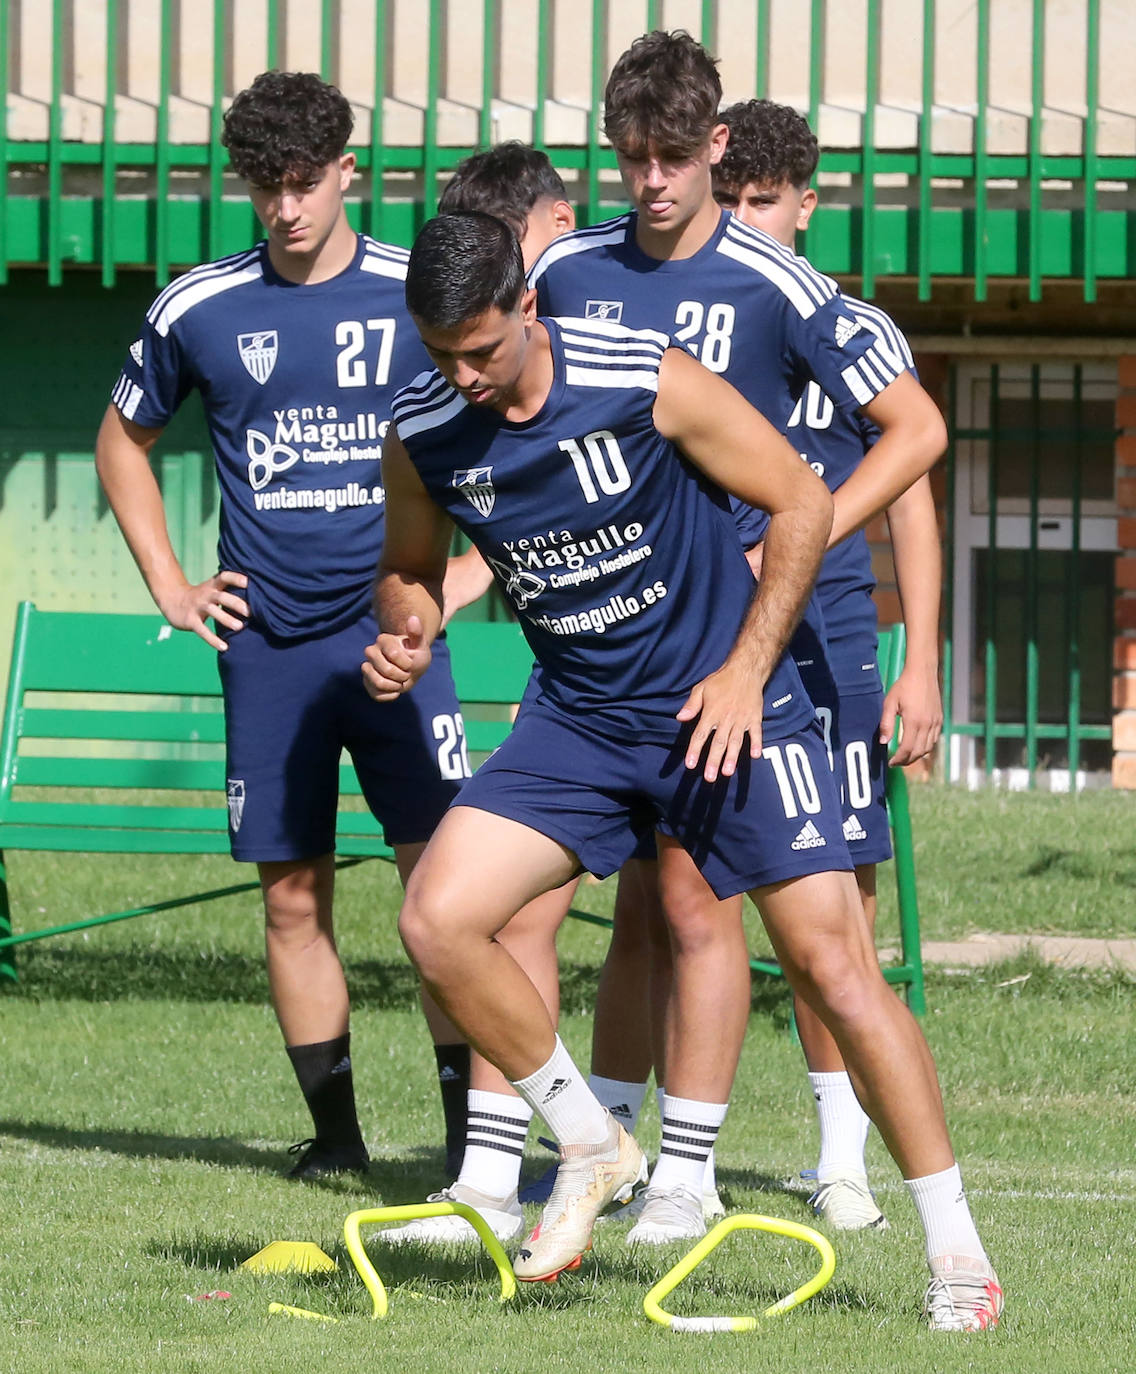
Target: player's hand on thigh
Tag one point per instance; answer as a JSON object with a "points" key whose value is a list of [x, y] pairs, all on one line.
{"points": [[189, 606], [915, 700], [727, 706], [394, 663]]}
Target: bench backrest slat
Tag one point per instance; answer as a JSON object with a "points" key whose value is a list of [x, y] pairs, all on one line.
{"points": [[180, 734]]}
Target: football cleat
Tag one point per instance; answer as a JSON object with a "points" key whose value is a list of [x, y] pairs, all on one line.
{"points": [[590, 1177], [847, 1203], [323, 1158], [668, 1214], [963, 1295], [502, 1214]]}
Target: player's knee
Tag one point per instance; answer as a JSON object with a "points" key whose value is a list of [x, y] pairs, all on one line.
{"points": [[296, 917], [839, 983]]}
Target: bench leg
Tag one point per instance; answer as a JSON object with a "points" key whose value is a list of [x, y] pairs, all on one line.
{"points": [[7, 954], [906, 892]]}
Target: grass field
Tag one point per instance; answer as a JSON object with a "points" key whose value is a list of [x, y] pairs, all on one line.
{"points": [[147, 1106]]}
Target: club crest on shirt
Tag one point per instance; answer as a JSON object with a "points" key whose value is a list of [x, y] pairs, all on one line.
{"points": [[604, 310], [476, 486], [236, 799], [258, 353]]}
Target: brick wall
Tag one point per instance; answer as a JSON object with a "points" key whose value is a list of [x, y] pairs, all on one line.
{"points": [[1124, 646]]}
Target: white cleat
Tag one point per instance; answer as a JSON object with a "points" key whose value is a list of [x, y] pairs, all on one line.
{"points": [[589, 1179], [963, 1295], [847, 1203], [503, 1215], [668, 1214]]}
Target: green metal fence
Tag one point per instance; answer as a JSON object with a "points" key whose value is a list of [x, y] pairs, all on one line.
{"points": [[927, 230], [1031, 472]]}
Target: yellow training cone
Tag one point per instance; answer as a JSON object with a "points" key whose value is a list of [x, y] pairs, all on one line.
{"points": [[290, 1257]]}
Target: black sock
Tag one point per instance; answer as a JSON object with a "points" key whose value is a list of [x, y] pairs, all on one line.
{"points": [[453, 1082], [324, 1071]]}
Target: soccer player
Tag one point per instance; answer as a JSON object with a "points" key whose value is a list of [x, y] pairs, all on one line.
{"points": [[516, 183], [297, 347], [667, 699], [764, 179], [765, 320], [753, 311], [519, 185]]}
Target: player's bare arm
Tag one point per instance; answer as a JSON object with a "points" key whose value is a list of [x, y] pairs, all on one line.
{"points": [[915, 696], [912, 439], [408, 589], [468, 577], [122, 461], [734, 445]]}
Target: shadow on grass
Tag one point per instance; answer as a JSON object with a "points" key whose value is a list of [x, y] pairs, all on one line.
{"points": [[402, 1177], [1067, 863], [87, 974]]}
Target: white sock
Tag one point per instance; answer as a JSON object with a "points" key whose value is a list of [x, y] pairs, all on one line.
{"points": [[689, 1131], [710, 1175], [496, 1125], [560, 1093], [843, 1126], [942, 1206], [622, 1099], [660, 1098]]}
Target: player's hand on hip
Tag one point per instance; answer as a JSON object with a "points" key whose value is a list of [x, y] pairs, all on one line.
{"points": [[915, 699], [190, 606], [396, 662], [727, 706]]}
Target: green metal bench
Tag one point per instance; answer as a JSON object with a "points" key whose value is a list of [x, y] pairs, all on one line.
{"points": [[113, 743], [908, 973], [117, 719]]}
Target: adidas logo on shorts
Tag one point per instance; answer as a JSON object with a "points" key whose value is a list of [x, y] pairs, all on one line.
{"points": [[853, 830], [809, 838]]}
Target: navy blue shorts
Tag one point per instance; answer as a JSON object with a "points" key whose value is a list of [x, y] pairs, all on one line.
{"points": [[292, 707], [861, 766], [778, 817]]}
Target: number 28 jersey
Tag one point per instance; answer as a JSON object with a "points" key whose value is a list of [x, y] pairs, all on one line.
{"points": [[297, 383], [618, 555]]}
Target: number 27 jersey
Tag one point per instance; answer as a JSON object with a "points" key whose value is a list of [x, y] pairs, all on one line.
{"points": [[618, 555]]}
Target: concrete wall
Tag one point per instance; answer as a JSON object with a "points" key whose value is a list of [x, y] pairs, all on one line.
{"points": [[513, 59]]}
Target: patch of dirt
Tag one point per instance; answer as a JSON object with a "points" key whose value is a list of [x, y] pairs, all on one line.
{"points": [[1069, 951]]}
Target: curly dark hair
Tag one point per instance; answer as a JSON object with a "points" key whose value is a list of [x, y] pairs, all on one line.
{"points": [[769, 144], [506, 180], [286, 125], [663, 92]]}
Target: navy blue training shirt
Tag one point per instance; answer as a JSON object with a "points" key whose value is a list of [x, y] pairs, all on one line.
{"points": [[297, 383], [747, 307], [618, 556], [834, 440]]}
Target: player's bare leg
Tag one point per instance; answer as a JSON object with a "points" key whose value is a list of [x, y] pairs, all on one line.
{"points": [[820, 935], [705, 1025], [478, 870], [628, 1027], [309, 995], [842, 1195], [496, 1118]]}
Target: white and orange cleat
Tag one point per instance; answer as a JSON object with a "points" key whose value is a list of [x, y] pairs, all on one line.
{"points": [[590, 1178], [963, 1295]]}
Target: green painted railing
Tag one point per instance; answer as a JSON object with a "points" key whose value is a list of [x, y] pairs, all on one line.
{"points": [[867, 235]]}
